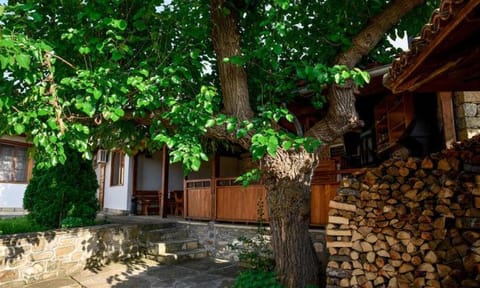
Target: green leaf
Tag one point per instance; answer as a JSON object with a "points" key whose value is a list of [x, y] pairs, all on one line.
{"points": [[23, 60], [195, 164], [230, 127], [272, 146], [84, 50], [52, 124], [287, 144], [204, 156], [19, 128], [210, 123], [97, 94]]}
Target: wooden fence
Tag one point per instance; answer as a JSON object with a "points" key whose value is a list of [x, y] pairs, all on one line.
{"points": [[229, 201]]}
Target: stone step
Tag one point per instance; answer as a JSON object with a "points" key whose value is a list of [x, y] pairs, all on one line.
{"points": [[171, 246], [166, 234], [171, 258]]}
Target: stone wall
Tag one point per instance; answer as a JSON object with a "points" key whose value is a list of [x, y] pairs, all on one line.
{"points": [[409, 223], [467, 114], [218, 238], [26, 258]]}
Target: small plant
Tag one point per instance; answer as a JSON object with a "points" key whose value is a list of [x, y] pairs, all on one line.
{"points": [[256, 252], [256, 278]]}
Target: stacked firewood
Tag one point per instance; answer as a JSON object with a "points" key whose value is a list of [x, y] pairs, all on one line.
{"points": [[409, 223]]}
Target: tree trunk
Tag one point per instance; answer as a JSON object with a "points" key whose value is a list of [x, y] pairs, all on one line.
{"points": [[287, 180], [233, 78]]}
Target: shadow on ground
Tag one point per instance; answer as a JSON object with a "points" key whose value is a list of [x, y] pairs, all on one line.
{"points": [[146, 273]]}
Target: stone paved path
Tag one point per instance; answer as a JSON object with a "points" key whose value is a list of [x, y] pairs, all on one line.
{"points": [[203, 273]]}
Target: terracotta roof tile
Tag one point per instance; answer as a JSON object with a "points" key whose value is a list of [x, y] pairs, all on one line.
{"points": [[440, 18]]}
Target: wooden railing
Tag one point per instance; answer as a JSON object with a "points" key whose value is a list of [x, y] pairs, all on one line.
{"points": [[237, 203], [198, 199], [223, 199]]}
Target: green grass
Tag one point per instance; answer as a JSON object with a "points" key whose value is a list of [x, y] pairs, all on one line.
{"points": [[18, 225]]}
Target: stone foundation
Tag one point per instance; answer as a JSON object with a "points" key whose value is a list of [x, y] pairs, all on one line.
{"points": [[218, 238], [31, 257]]}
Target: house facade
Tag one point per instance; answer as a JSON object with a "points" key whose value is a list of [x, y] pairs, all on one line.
{"points": [[15, 172]]}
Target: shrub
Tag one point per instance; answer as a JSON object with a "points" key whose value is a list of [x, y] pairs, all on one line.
{"points": [[18, 225], [62, 191], [256, 278]]}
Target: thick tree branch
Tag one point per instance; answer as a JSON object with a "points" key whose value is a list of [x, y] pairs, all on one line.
{"points": [[369, 37], [233, 78], [342, 115]]}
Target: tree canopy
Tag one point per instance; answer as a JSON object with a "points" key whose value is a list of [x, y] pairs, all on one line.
{"points": [[139, 74], [142, 74]]}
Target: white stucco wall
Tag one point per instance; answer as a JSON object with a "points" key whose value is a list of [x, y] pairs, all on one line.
{"points": [[118, 197], [175, 177], [149, 172], [11, 195]]}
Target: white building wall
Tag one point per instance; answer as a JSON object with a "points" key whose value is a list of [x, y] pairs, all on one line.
{"points": [[11, 195], [175, 177], [149, 172], [117, 198]]}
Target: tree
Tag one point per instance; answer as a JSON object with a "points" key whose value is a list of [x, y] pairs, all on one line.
{"points": [[136, 75], [63, 195]]}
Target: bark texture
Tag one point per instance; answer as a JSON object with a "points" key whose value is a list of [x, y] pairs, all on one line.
{"points": [[233, 78], [342, 115], [287, 178], [369, 37]]}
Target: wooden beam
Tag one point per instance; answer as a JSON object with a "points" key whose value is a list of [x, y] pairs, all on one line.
{"points": [[445, 101], [163, 192]]}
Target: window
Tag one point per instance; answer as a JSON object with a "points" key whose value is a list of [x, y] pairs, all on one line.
{"points": [[13, 163], [117, 168]]}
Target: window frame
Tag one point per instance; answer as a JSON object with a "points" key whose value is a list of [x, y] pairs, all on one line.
{"points": [[28, 161], [117, 168]]}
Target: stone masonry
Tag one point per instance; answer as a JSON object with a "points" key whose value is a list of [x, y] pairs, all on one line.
{"points": [[31, 257], [467, 114]]}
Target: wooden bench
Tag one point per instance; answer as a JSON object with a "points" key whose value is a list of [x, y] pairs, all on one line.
{"points": [[147, 202]]}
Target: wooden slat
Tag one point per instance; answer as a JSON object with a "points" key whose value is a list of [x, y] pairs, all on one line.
{"points": [[238, 203], [198, 203], [320, 197]]}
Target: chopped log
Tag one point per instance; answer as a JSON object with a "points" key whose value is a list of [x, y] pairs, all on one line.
{"points": [[354, 255], [427, 163], [338, 220], [371, 257], [406, 257], [405, 268], [403, 235], [338, 244], [331, 232], [416, 260], [431, 257], [426, 267], [366, 247], [383, 253], [342, 206]]}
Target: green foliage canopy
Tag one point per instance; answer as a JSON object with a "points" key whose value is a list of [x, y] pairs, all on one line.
{"points": [[140, 74]]}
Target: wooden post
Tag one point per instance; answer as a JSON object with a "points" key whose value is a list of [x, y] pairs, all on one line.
{"points": [[101, 188], [213, 187], [446, 111], [163, 192]]}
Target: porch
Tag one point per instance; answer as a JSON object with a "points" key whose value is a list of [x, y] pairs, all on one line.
{"points": [[223, 199]]}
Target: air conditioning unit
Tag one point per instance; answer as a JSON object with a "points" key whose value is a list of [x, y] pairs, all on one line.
{"points": [[102, 156]]}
